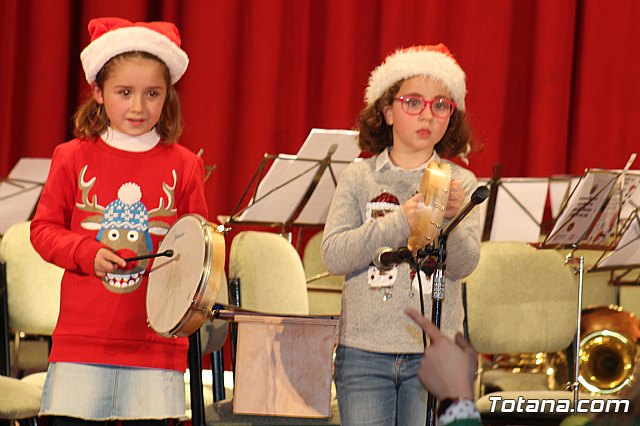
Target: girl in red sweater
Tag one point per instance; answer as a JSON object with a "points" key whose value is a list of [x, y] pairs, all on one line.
{"points": [[112, 193]]}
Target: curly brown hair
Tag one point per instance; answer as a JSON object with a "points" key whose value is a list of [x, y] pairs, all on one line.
{"points": [[376, 135], [91, 120]]}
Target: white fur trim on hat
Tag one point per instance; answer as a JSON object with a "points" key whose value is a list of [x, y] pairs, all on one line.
{"points": [[420, 60], [130, 39]]}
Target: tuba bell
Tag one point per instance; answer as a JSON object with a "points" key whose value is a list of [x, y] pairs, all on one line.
{"points": [[609, 352]]}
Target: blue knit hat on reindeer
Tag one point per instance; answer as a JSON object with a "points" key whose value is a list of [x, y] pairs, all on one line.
{"points": [[127, 212]]}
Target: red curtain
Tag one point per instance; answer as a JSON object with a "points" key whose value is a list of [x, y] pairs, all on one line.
{"points": [[553, 85]]}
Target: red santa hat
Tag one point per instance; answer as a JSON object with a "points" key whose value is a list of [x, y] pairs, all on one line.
{"points": [[113, 36], [435, 61], [384, 202]]}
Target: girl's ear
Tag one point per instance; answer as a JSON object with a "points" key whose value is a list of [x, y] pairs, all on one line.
{"points": [[97, 93], [388, 114]]}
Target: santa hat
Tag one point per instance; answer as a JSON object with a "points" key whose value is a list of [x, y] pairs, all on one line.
{"points": [[113, 36], [435, 61], [384, 201]]}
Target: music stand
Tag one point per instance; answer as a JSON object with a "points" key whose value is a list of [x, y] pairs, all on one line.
{"points": [[590, 220], [297, 190], [514, 209], [626, 255], [20, 191]]}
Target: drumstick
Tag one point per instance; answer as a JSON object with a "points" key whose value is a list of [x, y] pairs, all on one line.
{"points": [[166, 253]]}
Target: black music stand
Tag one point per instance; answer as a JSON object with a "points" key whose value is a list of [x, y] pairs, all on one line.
{"points": [[295, 191], [589, 220]]}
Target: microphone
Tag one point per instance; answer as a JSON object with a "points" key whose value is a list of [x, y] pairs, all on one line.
{"points": [[479, 195], [386, 258]]}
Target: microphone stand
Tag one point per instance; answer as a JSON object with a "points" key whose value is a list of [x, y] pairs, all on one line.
{"points": [[438, 279]]}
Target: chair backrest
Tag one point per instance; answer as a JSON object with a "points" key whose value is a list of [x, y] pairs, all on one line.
{"points": [[630, 299], [313, 265], [270, 273], [324, 290], [33, 285], [521, 300]]}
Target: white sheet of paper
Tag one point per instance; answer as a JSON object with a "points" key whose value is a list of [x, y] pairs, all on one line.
{"points": [[278, 205], [604, 230], [560, 188], [582, 208], [631, 197], [31, 169], [510, 220], [627, 251], [20, 193]]}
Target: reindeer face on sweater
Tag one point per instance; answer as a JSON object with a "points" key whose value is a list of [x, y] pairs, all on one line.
{"points": [[124, 225]]}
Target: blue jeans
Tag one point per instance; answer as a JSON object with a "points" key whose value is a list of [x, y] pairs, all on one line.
{"points": [[378, 388]]}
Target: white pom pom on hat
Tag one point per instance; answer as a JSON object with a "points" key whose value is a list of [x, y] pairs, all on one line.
{"points": [[113, 36], [435, 61]]}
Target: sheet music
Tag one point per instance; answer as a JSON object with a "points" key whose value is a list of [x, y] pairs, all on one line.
{"points": [[519, 209], [280, 204], [631, 197], [605, 228], [627, 251], [31, 170], [584, 204], [560, 187], [20, 191]]}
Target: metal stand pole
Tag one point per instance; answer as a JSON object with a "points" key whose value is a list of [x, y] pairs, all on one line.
{"points": [[576, 367], [195, 374]]}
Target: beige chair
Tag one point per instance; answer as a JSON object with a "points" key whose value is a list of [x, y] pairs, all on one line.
{"points": [[32, 296], [270, 273], [20, 401], [521, 300], [324, 290], [630, 299]]}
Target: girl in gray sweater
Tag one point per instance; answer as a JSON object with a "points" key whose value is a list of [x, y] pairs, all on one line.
{"points": [[414, 114]]}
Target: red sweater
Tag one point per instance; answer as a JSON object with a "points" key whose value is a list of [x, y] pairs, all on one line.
{"points": [[98, 196]]}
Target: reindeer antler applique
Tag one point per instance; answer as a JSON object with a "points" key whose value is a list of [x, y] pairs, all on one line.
{"points": [[124, 226]]}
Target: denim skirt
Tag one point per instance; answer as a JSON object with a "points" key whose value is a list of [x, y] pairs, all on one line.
{"points": [[108, 392]]}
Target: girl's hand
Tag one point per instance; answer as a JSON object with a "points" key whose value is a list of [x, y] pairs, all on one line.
{"points": [[456, 199], [410, 210], [107, 261]]}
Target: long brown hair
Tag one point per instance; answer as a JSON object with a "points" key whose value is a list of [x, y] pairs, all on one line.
{"points": [[375, 135], [91, 120]]}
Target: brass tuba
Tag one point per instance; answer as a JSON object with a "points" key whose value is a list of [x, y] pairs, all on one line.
{"points": [[609, 352]]}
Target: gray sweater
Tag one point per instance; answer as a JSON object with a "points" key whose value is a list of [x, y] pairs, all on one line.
{"points": [[360, 221]]}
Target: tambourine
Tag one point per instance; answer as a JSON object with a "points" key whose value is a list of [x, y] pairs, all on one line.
{"points": [[182, 289]]}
